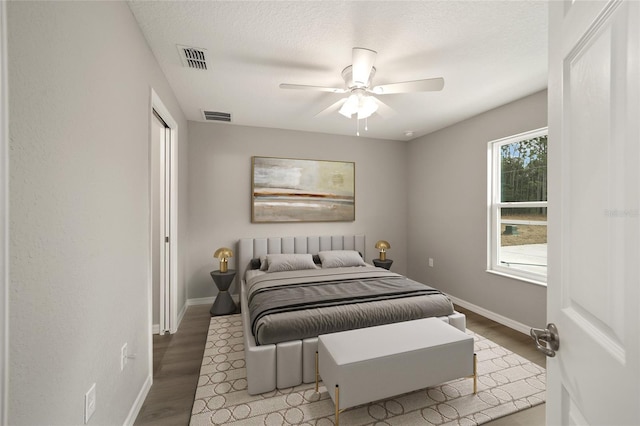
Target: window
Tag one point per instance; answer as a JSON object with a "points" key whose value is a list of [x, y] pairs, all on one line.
{"points": [[518, 206]]}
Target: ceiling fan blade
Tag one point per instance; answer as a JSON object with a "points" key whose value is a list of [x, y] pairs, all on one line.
{"points": [[314, 88], [362, 62], [384, 110], [428, 85], [332, 108]]}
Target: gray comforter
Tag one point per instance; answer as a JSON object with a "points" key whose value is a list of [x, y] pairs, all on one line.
{"points": [[296, 305]]}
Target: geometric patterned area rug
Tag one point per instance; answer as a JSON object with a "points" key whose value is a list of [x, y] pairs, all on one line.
{"points": [[506, 383]]}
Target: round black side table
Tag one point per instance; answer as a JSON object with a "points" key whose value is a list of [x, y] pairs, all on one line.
{"points": [[223, 304], [386, 264]]}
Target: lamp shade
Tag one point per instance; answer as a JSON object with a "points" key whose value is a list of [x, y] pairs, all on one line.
{"points": [[350, 107], [383, 246], [367, 107], [359, 103], [222, 254]]}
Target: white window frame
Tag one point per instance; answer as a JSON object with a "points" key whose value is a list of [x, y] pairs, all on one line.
{"points": [[494, 205]]}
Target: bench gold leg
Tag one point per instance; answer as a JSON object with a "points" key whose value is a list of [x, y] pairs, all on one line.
{"points": [[337, 405], [475, 374], [317, 374]]}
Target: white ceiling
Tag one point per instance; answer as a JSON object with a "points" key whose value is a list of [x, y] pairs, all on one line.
{"points": [[489, 53]]}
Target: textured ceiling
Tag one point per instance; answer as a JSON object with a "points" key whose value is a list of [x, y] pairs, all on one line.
{"points": [[488, 52]]}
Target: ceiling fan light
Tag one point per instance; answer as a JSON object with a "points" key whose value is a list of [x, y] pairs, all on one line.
{"points": [[346, 114], [367, 106], [350, 107]]}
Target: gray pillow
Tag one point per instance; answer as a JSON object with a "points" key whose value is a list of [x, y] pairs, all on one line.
{"points": [[263, 263], [255, 263], [340, 258], [289, 262]]}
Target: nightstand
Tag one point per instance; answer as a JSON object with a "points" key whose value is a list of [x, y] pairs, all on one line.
{"points": [[386, 264], [223, 304]]}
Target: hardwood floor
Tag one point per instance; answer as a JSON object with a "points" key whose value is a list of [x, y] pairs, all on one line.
{"points": [[176, 367], [177, 360]]}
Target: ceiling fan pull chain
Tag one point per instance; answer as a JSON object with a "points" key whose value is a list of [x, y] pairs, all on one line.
{"points": [[357, 127], [366, 124]]}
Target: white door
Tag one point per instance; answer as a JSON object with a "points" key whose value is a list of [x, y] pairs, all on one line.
{"points": [[164, 133], [594, 212], [161, 221], [165, 218]]}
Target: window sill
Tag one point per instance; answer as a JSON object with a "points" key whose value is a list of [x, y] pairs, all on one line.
{"points": [[517, 277]]}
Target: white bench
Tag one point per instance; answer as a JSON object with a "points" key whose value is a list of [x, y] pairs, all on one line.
{"points": [[370, 364]]}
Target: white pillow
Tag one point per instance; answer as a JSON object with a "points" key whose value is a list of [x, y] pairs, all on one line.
{"points": [[289, 262], [340, 258]]}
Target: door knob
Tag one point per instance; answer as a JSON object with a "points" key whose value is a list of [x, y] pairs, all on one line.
{"points": [[549, 336]]}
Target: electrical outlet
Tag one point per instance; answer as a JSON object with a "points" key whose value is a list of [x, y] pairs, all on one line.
{"points": [[431, 262], [89, 403], [123, 356]]}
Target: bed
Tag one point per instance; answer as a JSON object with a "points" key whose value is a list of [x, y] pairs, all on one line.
{"points": [[287, 357]]}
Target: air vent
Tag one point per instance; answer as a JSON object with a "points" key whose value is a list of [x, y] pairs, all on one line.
{"points": [[193, 57], [216, 116]]}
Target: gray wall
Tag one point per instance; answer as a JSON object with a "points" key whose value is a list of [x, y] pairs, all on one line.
{"points": [[447, 217], [220, 191], [80, 76]]}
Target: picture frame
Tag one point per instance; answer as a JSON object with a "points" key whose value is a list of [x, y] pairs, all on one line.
{"points": [[300, 190]]}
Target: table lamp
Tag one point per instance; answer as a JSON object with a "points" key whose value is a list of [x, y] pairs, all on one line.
{"points": [[383, 246], [223, 254]]}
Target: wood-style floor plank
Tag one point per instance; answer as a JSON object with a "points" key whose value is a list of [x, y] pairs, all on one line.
{"points": [[177, 360], [176, 368]]}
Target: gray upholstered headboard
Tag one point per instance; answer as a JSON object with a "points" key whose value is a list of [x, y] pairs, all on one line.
{"points": [[250, 248]]}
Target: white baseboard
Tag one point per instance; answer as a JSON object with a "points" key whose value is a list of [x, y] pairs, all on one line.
{"points": [[518, 326], [210, 300], [137, 405], [155, 329], [201, 301]]}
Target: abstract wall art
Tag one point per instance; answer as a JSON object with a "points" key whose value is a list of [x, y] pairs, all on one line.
{"points": [[294, 190]]}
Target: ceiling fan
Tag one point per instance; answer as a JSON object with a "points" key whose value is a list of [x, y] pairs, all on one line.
{"points": [[362, 100]]}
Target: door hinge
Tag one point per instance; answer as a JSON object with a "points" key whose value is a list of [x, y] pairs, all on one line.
{"points": [[166, 239]]}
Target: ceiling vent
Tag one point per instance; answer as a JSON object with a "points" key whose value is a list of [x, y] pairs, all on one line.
{"points": [[193, 57], [216, 116]]}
